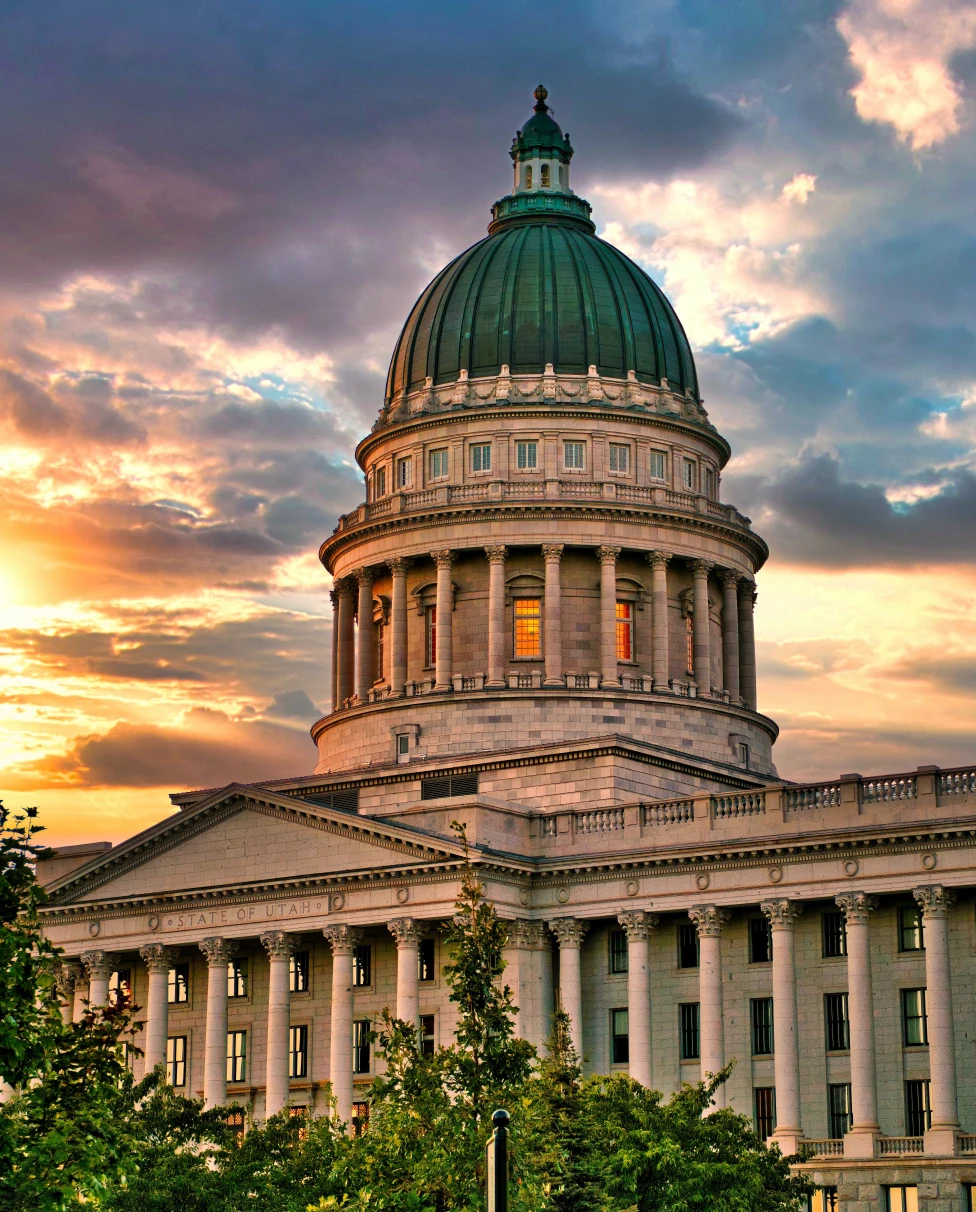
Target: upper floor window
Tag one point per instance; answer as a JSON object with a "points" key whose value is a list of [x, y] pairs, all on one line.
{"points": [[574, 456], [430, 637], [120, 987], [711, 482], [689, 1023], [619, 1037], [561, 175], [360, 1045], [425, 960], [840, 1112], [687, 945], [625, 631], [655, 466], [764, 1105], [918, 1107], [689, 475], [760, 940], [176, 1060], [761, 1014], [618, 951], [526, 455], [619, 459], [297, 1051], [915, 1023], [911, 931], [298, 972], [178, 984], [427, 1035], [837, 1023], [237, 978], [438, 465], [544, 176], [481, 458], [528, 177], [362, 966], [379, 483], [689, 646], [236, 1056], [833, 931], [404, 473], [528, 627]]}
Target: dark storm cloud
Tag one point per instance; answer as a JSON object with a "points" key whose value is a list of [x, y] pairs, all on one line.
{"points": [[292, 705]]}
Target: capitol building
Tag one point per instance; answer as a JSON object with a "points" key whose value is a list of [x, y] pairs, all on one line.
{"points": [[543, 628]]}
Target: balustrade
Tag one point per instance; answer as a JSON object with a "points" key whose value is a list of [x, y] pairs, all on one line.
{"points": [[876, 791], [601, 820], [746, 803], [822, 796]]}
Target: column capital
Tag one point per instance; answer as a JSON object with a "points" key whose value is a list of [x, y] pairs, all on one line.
{"points": [[747, 590], [157, 957], [569, 931], [709, 919], [526, 936], [278, 944], [638, 924], [935, 900], [219, 951], [496, 555], [69, 975], [407, 931], [701, 568], [334, 598], [730, 578], [552, 553], [608, 555], [342, 939], [781, 912], [98, 963], [856, 906], [344, 587], [365, 575], [399, 564], [658, 559], [444, 558]]}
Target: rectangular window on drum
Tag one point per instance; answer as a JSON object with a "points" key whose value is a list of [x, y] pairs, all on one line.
{"points": [[379, 482], [574, 456], [619, 1037], [404, 473], [656, 466], [481, 458], [625, 631], [527, 615], [438, 465], [430, 637], [689, 475], [526, 455], [619, 459]]}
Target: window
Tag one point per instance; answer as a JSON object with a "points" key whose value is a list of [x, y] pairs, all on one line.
{"points": [[573, 459], [430, 637], [833, 933], [298, 1051], [839, 1113], [619, 1038], [379, 482], [176, 1060], [526, 455], [360, 1046], [915, 1025], [236, 1056], [901, 1199], [481, 458], [911, 936], [689, 646], [404, 473], [656, 467], [235, 1121], [237, 978], [426, 1035], [760, 940], [438, 465], [918, 1108], [619, 459], [742, 751], [544, 176], [824, 1199], [688, 1019], [178, 984], [761, 1014], [625, 631], [527, 620], [120, 987], [448, 785], [379, 650], [689, 475], [710, 484], [360, 1118], [837, 1023], [361, 966], [298, 972], [403, 744], [528, 177], [425, 959], [764, 1107], [618, 951], [129, 1056], [560, 174], [687, 945]]}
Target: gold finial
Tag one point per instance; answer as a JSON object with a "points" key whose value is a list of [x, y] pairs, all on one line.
{"points": [[540, 95]]}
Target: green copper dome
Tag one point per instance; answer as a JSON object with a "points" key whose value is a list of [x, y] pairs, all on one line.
{"points": [[541, 288]]}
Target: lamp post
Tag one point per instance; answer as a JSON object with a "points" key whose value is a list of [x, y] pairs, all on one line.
{"points": [[496, 1157]]}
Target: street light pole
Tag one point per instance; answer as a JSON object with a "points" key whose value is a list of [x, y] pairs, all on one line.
{"points": [[496, 1156]]}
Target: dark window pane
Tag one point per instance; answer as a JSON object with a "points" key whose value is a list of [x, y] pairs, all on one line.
{"points": [[178, 984], [687, 945], [837, 1022], [298, 972], [620, 1038], [237, 978], [918, 1109], [427, 1034], [690, 1047], [448, 785], [834, 934], [760, 941], [426, 959], [839, 1110], [762, 1025], [911, 936], [915, 1030], [360, 1046], [360, 1118], [362, 966], [618, 951], [764, 1102], [120, 987]]}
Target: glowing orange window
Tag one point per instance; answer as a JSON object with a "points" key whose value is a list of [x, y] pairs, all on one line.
{"points": [[528, 627], [625, 631]]}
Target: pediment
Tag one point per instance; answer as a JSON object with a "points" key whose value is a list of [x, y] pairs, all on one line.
{"points": [[246, 836]]}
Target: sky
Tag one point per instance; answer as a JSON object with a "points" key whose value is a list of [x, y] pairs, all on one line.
{"points": [[215, 217]]}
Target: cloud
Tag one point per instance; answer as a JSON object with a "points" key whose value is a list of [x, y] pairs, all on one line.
{"points": [[293, 705]]}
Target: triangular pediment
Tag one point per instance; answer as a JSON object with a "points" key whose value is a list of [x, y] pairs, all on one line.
{"points": [[246, 836]]}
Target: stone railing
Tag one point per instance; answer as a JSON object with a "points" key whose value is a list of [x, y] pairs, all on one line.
{"points": [[957, 782], [747, 803], [883, 791], [671, 812], [967, 1144], [526, 490], [821, 1148], [900, 1145], [822, 795], [604, 820]]}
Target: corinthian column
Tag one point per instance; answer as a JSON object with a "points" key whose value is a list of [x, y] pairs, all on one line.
{"points": [[157, 959], [701, 638], [408, 934], [710, 920], [279, 947], [345, 651], [496, 615], [638, 926], [99, 965], [553, 553], [608, 614], [444, 656], [660, 641], [859, 1142], [69, 978], [528, 970], [398, 620], [342, 940], [364, 638], [786, 1056], [730, 638], [218, 953], [936, 902], [569, 932], [334, 664], [747, 643]]}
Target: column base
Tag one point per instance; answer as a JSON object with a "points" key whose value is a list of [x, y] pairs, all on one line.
{"points": [[941, 1142], [788, 1139], [860, 1142], [554, 682], [662, 688], [493, 684], [446, 688], [610, 684]]}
